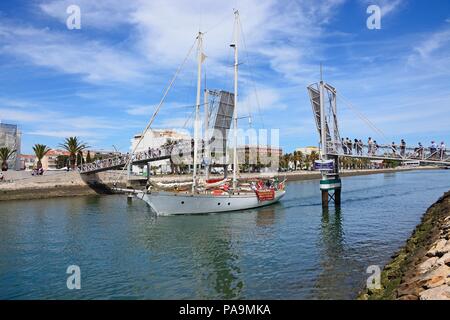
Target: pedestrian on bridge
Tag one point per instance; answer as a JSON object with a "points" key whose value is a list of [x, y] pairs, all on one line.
{"points": [[402, 148], [344, 145], [433, 149], [394, 149], [419, 150], [442, 150], [375, 147], [349, 145], [356, 146], [370, 146]]}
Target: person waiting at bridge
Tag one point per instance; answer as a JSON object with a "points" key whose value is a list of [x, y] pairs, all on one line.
{"points": [[375, 147], [419, 151], [349, 145], [344, 145], [370, 146], [361, 145], [394, 149], [402, 148], [442, 150], [356, 146], [433, 149]]}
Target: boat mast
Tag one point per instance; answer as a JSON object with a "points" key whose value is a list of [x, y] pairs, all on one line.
{"points": [[197, 108], [235, 120], [206, 134]]}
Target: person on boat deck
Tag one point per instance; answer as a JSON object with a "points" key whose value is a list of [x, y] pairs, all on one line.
{"points": [[442, 150]]}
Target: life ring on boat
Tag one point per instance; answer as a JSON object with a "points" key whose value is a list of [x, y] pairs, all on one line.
{"points": [[217, 192]]}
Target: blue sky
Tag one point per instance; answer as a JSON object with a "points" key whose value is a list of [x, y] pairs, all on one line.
{"points": [[102, 82]]}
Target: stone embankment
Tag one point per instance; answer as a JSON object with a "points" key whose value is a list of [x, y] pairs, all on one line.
{"points": [[421, 269]]}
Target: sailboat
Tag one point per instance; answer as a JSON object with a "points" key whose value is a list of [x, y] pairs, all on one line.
{"points": [[210, 197]]}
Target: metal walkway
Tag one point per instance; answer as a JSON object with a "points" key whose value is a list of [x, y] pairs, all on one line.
{"points": [[138, 158], [387, 152], [331, 143]]}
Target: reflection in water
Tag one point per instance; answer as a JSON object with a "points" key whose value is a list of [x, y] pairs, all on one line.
{"points": [[289, 250], [332, 244], [265, 216]]}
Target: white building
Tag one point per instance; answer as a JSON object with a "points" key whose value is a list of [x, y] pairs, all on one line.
{"points": [[154, 139]]}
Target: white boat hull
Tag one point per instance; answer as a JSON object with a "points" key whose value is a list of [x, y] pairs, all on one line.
{"points": [[172, 203]]}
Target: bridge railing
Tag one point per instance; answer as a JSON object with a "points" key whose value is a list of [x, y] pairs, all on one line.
{"points": [[388, 151], [183, 147]]}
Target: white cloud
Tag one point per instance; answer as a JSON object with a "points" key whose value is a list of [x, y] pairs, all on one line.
{"points": [[93, 61], [433, 43], [387, 6], [140, 110], [94, 14]]}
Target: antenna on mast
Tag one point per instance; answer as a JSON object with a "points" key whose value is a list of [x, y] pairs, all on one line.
{"points": [[321, 73]]}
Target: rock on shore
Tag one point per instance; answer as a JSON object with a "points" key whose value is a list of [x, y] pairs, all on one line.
{"points": [[421, 269]]}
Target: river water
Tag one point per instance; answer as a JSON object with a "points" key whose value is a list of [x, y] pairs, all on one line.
{"points": [[291, 250]]}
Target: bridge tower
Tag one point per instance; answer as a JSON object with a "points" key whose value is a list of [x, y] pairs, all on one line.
{"points": [[323, 101]]}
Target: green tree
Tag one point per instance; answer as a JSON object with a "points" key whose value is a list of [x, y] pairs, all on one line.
{"points": [[297, 158], [40, 150], [62, 161], [74, 147], [5, 154], [88, 157]]}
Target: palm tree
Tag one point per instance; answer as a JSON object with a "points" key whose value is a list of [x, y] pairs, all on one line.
{"points": [[5, 154], [40, 150], [74, 147], [298, 159]]}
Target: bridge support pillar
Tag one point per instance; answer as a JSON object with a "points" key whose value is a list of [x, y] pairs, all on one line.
{"points": [[331, 190], [129, 175], [330, 185]]}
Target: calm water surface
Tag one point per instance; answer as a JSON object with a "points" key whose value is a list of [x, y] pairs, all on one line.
{"points": [[290, 250]]}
